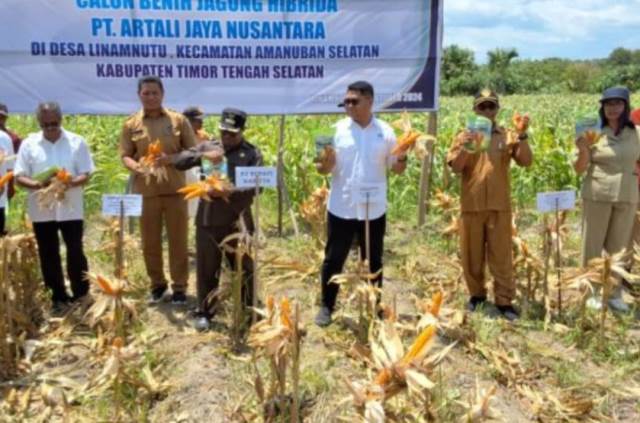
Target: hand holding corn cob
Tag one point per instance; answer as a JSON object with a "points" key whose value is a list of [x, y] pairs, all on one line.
{"points": [[212, 187], [587, 140], [405, 142], [55, 191], [520, 122], [5, 179], [153, 163]]}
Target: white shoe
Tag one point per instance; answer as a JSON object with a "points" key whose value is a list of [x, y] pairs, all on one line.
{"points": [[594, 303], [617, 304]]}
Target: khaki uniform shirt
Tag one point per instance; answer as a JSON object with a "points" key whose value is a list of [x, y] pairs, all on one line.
{"points": [[175, 134], [485, 177], [611, 175]]}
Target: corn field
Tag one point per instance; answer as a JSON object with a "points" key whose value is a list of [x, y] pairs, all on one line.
{"points": [[423, 359], [552, 131]]}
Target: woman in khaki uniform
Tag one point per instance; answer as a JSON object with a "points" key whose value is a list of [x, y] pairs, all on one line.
{"points": [[609, 189]]}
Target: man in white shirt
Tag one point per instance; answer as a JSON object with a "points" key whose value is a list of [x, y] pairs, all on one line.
{"points": [[358, 162], [40, 152], [6, 149]]}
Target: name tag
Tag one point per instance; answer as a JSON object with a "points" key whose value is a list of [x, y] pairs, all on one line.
{"points": [[369, 193], [130, 204], [560, 200], [247, 176]]}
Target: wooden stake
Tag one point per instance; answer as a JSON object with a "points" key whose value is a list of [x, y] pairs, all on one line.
{"points": [[546, 254], [256, 237], [119, 273], [426, 169], [280, 169], [558, 260], [295, 368]]}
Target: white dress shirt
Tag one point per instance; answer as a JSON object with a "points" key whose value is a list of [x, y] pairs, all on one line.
{"points": [[363, 156], [6, 146], [70, 152]]}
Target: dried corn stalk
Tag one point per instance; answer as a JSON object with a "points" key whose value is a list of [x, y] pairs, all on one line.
{"points": [[110, 310], [605, 272], [396, 370], [314, 211], [364, 293], [480, 408], [277, 338], [20, 302]]}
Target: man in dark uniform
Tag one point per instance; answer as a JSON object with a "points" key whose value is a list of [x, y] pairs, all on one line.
{"points": [[217, 219]]}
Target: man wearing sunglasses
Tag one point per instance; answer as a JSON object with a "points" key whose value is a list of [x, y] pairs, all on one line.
{"points": [[361, 156], [486, 205], [219, 218], [55, 147]]}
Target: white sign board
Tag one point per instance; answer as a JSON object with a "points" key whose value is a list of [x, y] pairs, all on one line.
{"points": [[246, 176], [369, 193], [557, 200], [132, 204], [297, 56]]}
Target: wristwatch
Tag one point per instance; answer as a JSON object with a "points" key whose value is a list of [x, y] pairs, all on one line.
{"points": [[523, 136]]}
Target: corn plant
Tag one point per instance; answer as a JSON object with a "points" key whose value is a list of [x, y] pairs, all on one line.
{"points": [[111, 311], [20, 304], [365, 295], [277, 338]]}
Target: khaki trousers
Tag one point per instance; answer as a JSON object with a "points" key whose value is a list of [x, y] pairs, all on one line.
{"points": [[170, 211], [607, 226], [635, 232], [486, 235]]}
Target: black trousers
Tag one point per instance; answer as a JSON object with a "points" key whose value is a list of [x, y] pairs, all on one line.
{"points": [[209, 256], [340, 233], [51, 263], [3, 220]]}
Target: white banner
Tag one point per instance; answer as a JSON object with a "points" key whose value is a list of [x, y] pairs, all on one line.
{"points": [[264, 56]]}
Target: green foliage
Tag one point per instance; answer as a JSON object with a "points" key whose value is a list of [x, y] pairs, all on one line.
{"points": [[552, 131], [504, 73]]}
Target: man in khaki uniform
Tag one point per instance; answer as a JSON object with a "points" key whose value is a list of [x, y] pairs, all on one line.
{"points": [[486, 206], [161, 203]]}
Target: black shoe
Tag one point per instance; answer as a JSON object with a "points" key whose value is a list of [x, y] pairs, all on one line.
{"points": [[157, 295], [58, 308], [475, 302], [178, 298], [508, 312], [323, 318]]}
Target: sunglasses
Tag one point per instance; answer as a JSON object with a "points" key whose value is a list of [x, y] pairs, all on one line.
{"points": [[351, 101], [50, 125], [487, 106]]}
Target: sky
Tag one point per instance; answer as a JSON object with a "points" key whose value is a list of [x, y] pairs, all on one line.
{"points": [[572, 29]]}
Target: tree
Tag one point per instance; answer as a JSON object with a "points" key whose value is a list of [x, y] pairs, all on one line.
{"points": [[500, 59], [457, 61], [621, 57]]}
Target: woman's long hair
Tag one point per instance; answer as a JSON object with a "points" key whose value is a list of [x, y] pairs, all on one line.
{"points": [[624, 120]]}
